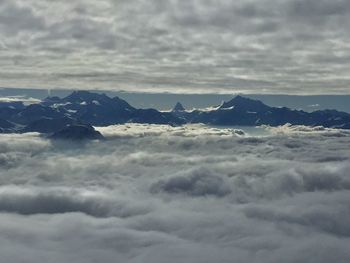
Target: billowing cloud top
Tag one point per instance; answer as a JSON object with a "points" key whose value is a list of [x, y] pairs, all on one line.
{"points": [[177, 194], [265, 46]]}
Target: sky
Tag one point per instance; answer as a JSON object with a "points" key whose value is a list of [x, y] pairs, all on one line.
{"points": [[153, 193], [193, 46]]}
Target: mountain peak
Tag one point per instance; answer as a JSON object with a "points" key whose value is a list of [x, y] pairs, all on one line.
{"points": [[244, 103], [240, 98], [178, 107], [83, 95]]}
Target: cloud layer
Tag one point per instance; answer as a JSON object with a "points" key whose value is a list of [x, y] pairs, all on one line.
{"points": [[268, 46], [152, 193]]}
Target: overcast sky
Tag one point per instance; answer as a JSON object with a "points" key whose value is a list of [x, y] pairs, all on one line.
{"points": [[192, 46]]}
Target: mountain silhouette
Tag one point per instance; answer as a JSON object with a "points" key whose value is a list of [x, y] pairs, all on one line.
{"points": [[81, 108]]}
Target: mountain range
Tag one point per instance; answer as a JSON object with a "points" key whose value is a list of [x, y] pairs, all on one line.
{"points": [[248, 112], [87, 109]]}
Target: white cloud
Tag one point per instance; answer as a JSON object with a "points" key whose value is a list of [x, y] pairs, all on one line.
{"points": [[191, 194], [23, 99], [290, 129]]}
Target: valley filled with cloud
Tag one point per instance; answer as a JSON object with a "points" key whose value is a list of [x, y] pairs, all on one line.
{"points": [[156, 193]]}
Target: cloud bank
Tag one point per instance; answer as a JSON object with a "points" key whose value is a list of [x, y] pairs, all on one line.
{"points": [[153, 193], [265, 46]]}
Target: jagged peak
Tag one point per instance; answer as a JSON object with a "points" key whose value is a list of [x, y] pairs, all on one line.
{"points": [[178, 107]]}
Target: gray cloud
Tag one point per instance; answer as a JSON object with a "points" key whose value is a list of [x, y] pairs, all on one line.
{"points": [[151, 193], [16, 19], [197, 183], [267, 46]]}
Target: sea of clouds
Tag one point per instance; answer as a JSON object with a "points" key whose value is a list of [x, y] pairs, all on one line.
{"points": [[153, 193]]}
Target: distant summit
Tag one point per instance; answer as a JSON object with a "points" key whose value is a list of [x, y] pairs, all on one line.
{"points": [[244, 111], [244, 103], [178, 107], [90, 98]]}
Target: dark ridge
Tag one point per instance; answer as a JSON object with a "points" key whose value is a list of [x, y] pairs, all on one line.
{"points": [[78, 132], [49, 125]]}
